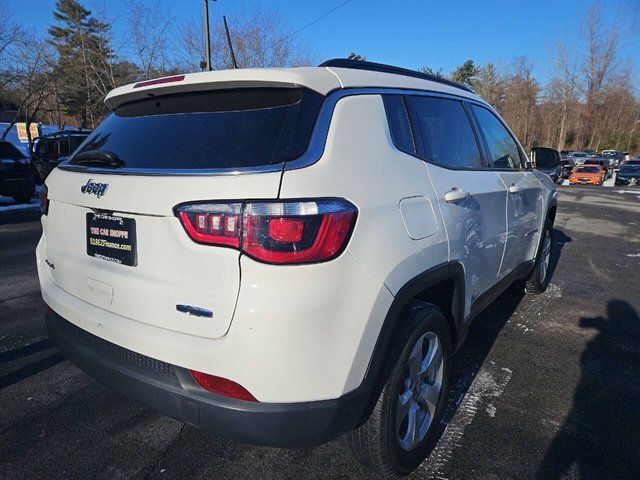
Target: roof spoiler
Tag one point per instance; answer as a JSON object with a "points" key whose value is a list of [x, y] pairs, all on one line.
{"points": [[381, 67]]}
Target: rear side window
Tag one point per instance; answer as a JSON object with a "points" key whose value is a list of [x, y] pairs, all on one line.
{"points": [[215, 129], [447, 137], [398, 118], [502, 149]]}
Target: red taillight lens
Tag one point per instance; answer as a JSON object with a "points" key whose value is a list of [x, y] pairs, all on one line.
{"points": [[44, 199], [222, 386], [286, 229], [213, 224], [274, 232]]}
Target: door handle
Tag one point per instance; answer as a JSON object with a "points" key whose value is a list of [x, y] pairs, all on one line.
{"points": [[514, 189], [456, 195]]}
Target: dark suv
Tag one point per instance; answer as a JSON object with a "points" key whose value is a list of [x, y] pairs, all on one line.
{"points": [[49, 149], [16, 179]]}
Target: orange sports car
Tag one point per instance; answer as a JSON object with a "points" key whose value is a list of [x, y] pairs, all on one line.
{"points": [[587, 175]]}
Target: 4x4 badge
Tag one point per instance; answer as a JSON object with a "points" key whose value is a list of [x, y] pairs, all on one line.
{"points": [[97, 189]]}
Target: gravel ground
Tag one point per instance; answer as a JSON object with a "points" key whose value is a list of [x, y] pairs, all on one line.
{"points": [[545, 387]]}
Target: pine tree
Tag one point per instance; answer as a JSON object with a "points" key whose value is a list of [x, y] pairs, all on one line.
{"points": [[431, 71], [85, 60], [489, 85], [465, 73]]}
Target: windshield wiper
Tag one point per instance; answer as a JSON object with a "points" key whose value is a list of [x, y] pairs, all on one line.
{"points": [[98, 158]]}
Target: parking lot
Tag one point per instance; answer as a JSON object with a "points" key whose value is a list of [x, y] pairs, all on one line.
{"points": [[545, 387]]}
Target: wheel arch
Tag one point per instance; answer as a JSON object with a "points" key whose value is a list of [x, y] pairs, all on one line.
{"points": [[443, 286]]}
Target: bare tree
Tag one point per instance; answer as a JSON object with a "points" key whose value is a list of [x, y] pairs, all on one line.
{"points": [[10, 35], [149, 25], [602, 44], [520, 104], [31, 85], [260, 39]]}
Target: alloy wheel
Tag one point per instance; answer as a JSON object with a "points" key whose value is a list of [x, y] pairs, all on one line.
{"points": [[420, 391]]}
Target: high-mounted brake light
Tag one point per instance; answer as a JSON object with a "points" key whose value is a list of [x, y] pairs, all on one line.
{"points": [[222, 386], [160, 81], [284, 232]]}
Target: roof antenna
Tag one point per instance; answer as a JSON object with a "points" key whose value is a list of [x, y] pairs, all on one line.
{"points": [[226, 29]]}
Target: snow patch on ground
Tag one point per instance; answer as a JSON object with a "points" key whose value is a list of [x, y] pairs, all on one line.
{"points": [[633, 255], [7, 204], [488, 385], [528, 318]]}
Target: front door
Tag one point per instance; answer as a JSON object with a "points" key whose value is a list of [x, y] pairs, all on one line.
{"points": [[524, 192]]}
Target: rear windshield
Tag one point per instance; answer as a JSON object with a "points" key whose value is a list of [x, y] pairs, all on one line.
{"points": [[8, 151], [587, 170], [216, 129]]}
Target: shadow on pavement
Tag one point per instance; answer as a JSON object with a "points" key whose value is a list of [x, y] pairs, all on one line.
{"points": [[593, 442]]}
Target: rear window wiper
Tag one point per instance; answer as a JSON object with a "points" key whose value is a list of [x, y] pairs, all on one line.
{"points": [[98, 158]]}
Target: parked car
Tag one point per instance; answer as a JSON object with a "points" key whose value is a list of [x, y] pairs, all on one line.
{"points": [[16, 180], [567, 166], [629, 174], [604, 163], [587, 175], [288, 303], [578, 157], [48, 150], [547, 160], [614, 156], [591, 153]]}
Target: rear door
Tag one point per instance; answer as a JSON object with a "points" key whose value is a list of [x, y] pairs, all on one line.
{"points": [[471, 197], [524, 192], [111, 235]]}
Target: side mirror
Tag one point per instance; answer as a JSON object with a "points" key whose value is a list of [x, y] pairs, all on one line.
{"points": [[544, 158]]}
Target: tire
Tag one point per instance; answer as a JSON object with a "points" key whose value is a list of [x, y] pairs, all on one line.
{"points": [[539, 279], [383, 443]]}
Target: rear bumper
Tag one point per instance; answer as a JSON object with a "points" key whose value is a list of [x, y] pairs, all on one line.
{"points": [[171, 390]]}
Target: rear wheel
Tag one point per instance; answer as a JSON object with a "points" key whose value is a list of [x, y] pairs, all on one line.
{"points": [[539, 279], [404, 424]]}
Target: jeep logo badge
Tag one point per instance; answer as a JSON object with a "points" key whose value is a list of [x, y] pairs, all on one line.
{"points": [[97, 189]]}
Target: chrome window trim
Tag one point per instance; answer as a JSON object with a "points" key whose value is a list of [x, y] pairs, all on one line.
{"points": [[312, 154]]}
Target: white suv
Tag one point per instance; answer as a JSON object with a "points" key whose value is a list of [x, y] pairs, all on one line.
{"points": [[284, 255]]}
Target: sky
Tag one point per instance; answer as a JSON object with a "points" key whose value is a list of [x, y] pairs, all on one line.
{"points": [[411, 34]]}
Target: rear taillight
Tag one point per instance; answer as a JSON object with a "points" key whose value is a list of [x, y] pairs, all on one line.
{"points": [[286, 232], [212, 223], [44, 199], [222, 386]]}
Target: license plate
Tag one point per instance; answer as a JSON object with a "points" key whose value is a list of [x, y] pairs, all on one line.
{"points": [[112, 238]]}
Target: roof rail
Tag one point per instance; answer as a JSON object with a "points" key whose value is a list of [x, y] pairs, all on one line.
{"points": [[381, 67]]}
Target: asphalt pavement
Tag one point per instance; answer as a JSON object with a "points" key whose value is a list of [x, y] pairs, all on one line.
{"points": [[545, 386]]}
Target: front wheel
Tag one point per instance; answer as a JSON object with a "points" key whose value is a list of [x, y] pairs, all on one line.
{"points": [[404, 424], [541, 275]]}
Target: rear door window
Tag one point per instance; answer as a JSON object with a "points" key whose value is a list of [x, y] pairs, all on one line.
{"points": [[215, 129], [445, 130]]}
